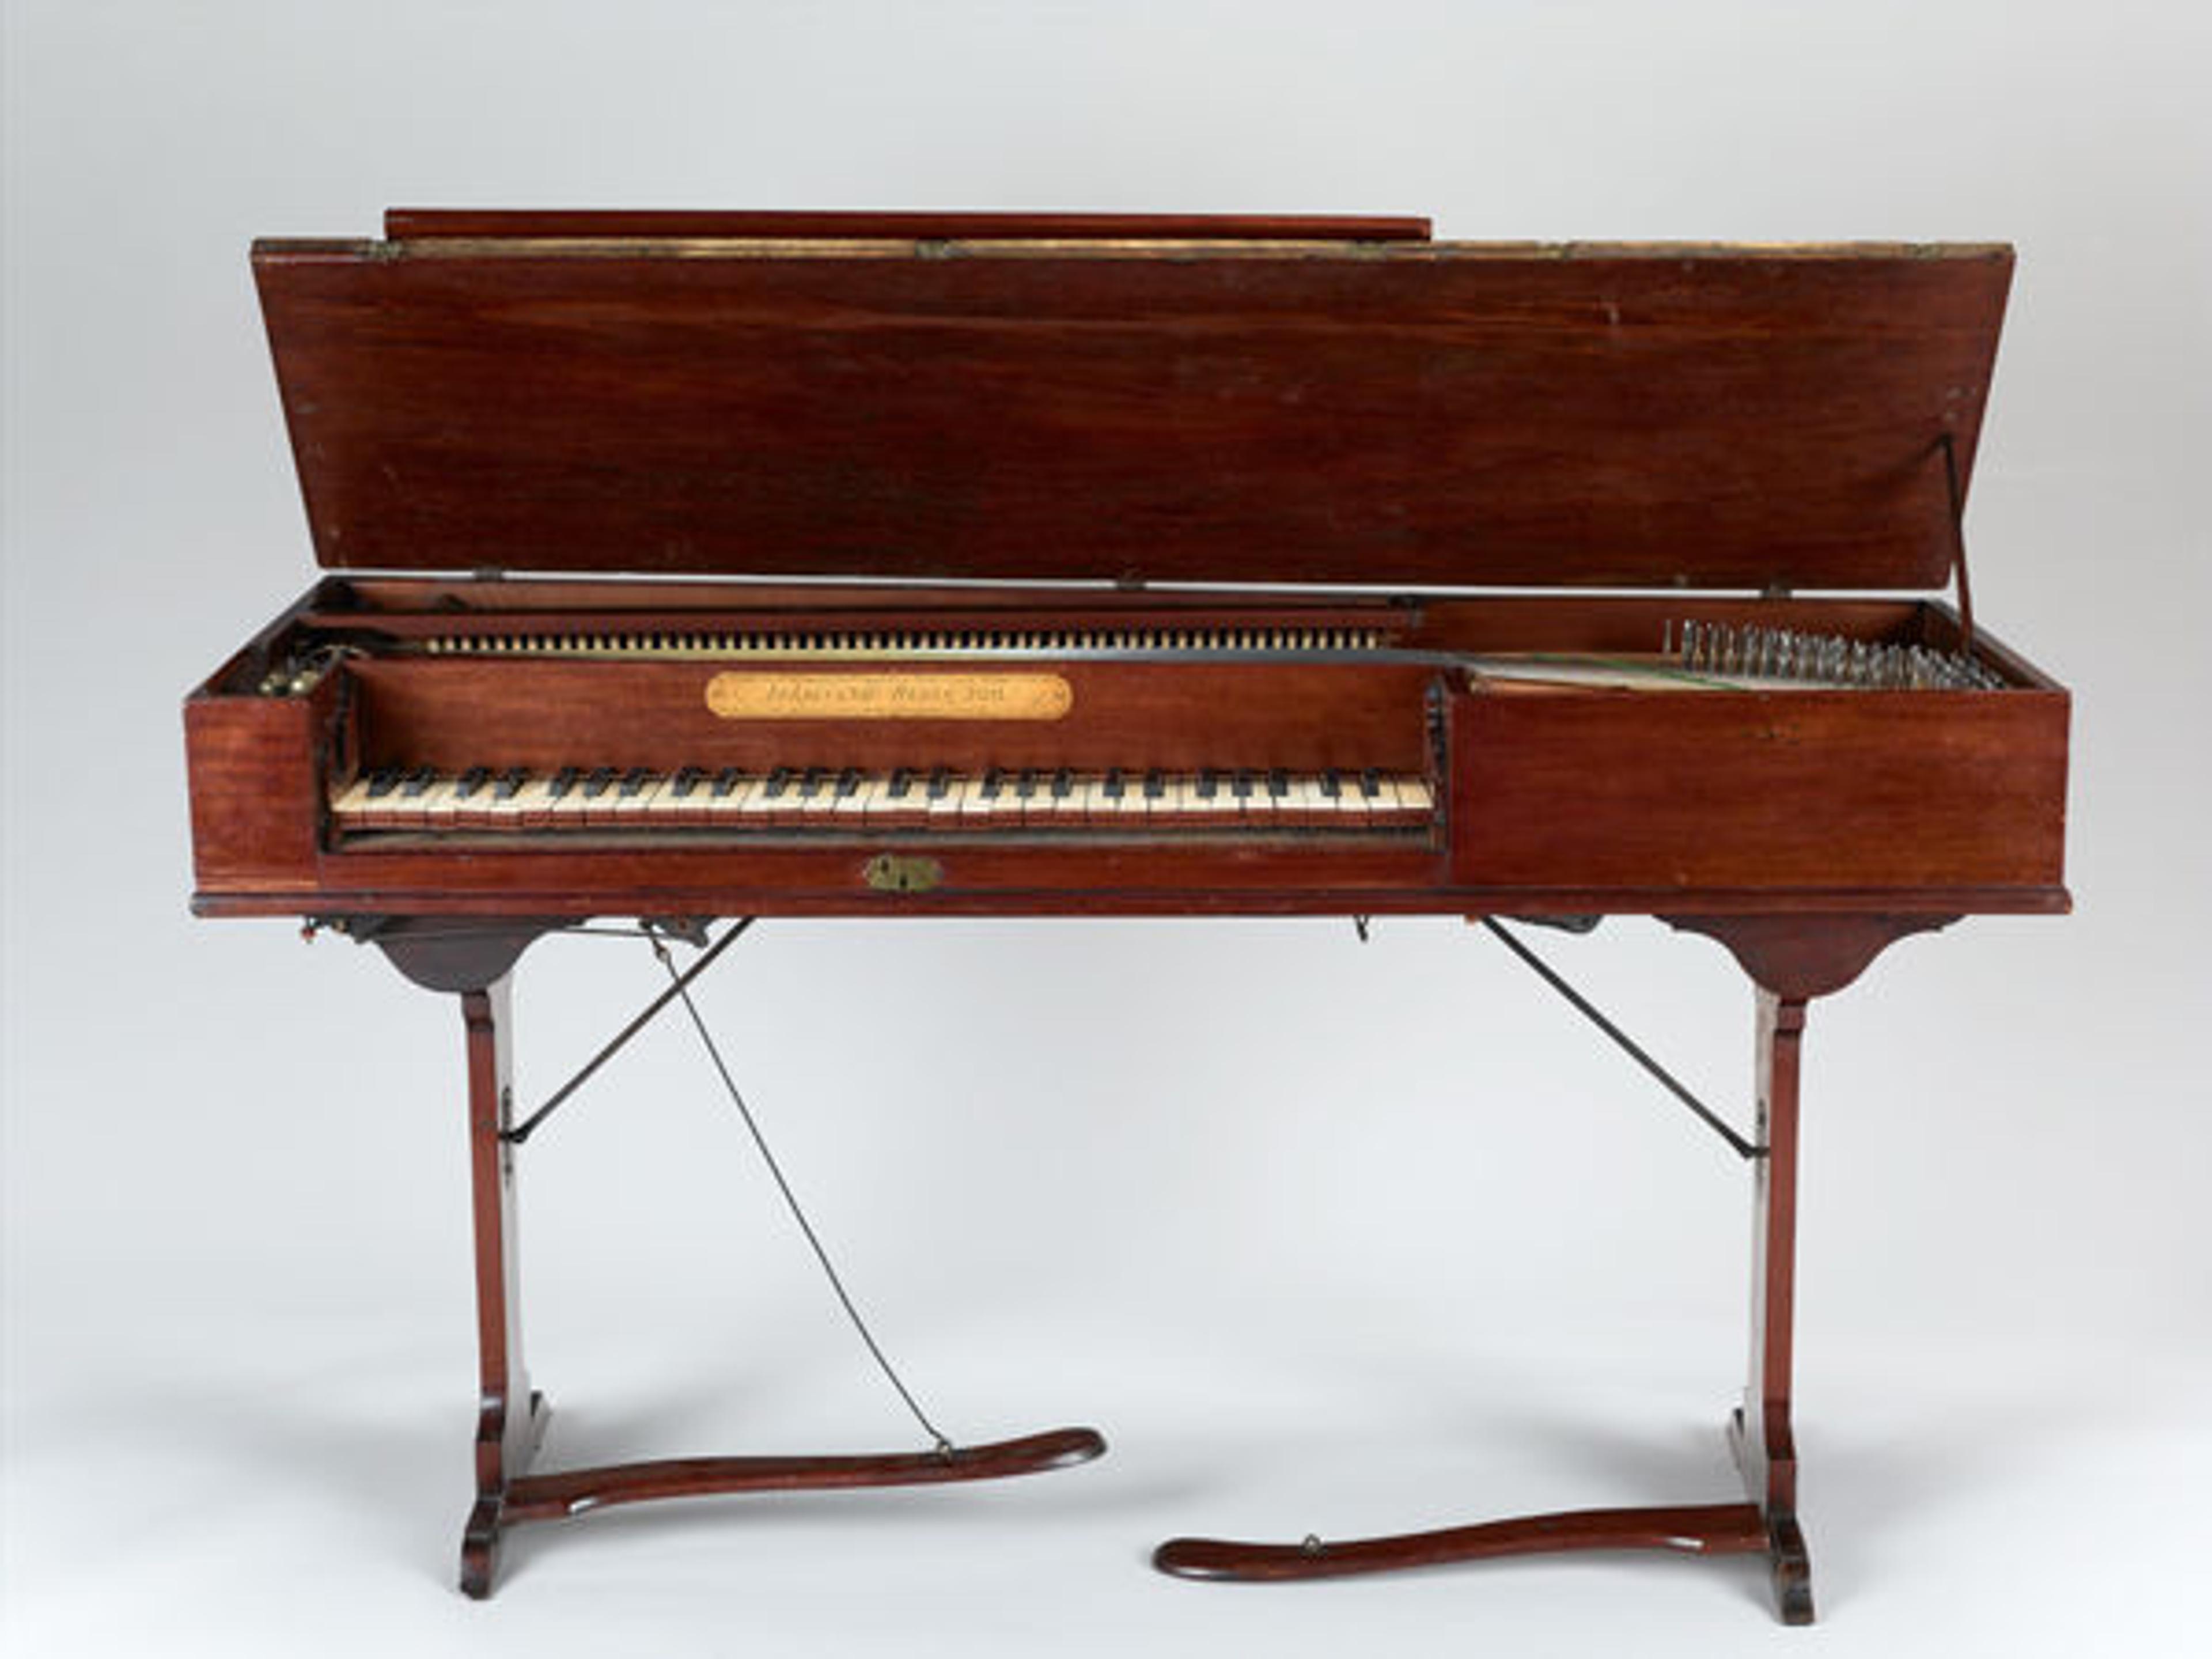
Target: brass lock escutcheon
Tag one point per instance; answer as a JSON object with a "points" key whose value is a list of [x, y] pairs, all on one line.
{"points": [[901, 873]]}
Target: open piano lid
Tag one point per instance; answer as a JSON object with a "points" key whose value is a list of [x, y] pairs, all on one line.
{"points": [[1134, 399]]}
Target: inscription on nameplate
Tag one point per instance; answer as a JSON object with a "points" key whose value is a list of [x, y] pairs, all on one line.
{"points": [[772, 697]]}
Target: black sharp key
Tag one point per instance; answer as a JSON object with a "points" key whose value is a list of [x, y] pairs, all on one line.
{"points": [[1156, 785], [725, 780], [848, 782], [469, 781], [810, 782], [1063, 784], [686, 781], [937, 784], [778, 780], [1114, 787], [1208, 785], [510, 783], [1370, 784], [595, 785], [902, 781], [1331, 787], [418, 782], [563, 781], [1278, 784], [1025, 784], [992, 780], [382, 781], [634, 781], [1240, 786]]}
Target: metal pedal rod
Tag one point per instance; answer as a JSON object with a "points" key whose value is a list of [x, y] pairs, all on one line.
{"points": [[524, 1130], [1628, 1045]]}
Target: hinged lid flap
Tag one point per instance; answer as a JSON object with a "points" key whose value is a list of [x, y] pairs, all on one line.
{"points": [[1185, 408]]}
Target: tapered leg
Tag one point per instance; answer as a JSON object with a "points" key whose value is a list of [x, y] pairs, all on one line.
{"points": [[1759, 1432], [510, 1417]]}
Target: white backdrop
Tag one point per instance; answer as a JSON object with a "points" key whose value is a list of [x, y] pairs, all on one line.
{"points": [[1324, 1237]]}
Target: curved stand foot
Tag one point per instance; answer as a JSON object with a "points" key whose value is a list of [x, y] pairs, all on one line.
{"points": [[1740, 1529], [561, 1493], [553, 1496], [1696, 1529]]}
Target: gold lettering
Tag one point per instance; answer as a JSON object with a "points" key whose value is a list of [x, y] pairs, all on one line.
{"points": [[787, 696]]}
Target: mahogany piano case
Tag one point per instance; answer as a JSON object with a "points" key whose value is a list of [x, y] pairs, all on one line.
{"points": [[1234, 498]]}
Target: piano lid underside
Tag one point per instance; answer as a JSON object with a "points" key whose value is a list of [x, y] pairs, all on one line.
{"points": [[1341, 413]]}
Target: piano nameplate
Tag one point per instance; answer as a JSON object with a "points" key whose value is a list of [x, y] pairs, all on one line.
{"points": [[769, 697]]}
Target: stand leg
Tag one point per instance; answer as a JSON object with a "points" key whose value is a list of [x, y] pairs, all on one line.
{"points": [[1791, 959], [1759, 1432], [510, 1417]]}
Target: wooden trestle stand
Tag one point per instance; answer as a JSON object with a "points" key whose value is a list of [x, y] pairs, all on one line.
{"points": [[1791, 960], [511, 1415]]}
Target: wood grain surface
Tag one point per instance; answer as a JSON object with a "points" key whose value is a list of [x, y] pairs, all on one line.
{"points": [[1390, 413]]}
